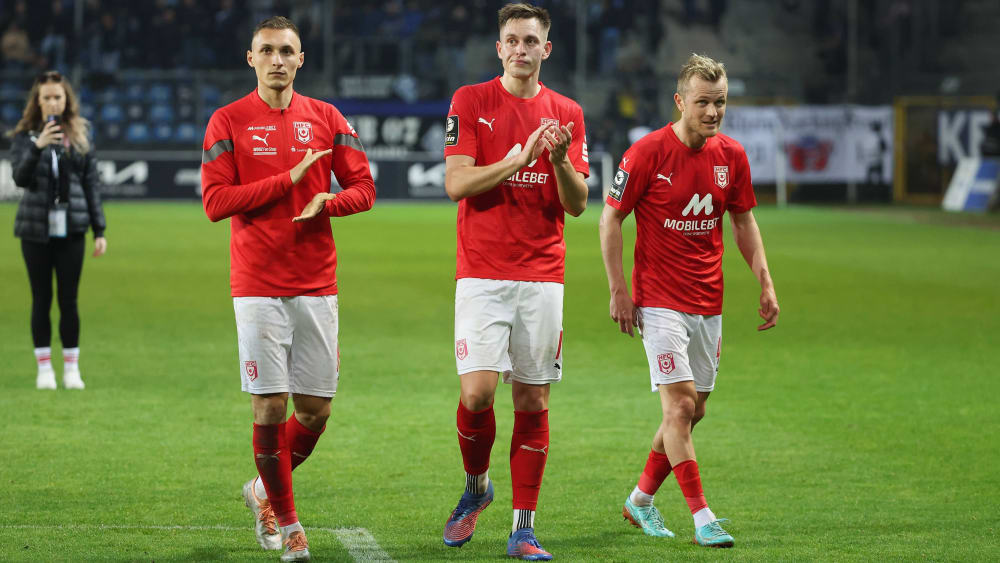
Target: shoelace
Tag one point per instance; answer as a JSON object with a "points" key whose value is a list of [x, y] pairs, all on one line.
{"points": [[267, 518], [655, 516], [715, 528], [297, 542]]}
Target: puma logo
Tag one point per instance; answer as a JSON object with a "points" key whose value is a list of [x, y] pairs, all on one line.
{"points": [[667, 178], [488, 123], [624, 161], [262, 139], [469, 438], [530, 449], [271, 457]]}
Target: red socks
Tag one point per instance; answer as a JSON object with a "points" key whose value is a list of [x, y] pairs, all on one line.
{"points": [[476, 433], [274, 465], [529, 448], [657, 469], [690, 482], [300, 439]]}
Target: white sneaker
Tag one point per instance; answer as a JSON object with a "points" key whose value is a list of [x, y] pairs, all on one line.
{"points": [[71, 380], [265, 522], [46, 379], [296, 548]]}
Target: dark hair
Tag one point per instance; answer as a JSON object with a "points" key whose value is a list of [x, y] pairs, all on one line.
{"points": [[276, 22], [523, 11]]}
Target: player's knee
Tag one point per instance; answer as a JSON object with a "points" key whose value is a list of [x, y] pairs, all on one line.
{"points": [[313, 421], [477, 400], [681, 411]]}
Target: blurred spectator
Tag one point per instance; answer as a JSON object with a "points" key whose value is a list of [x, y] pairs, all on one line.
{"points": [[15, 47], [58, 32]]}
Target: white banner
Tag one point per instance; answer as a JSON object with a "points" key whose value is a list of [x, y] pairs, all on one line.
{"points": [[815, 144]]}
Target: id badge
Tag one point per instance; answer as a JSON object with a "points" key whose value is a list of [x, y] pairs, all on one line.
{"points": [[57, 221]]}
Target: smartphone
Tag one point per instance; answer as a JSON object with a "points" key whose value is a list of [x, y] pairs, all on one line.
{"points": [[54, 118]]}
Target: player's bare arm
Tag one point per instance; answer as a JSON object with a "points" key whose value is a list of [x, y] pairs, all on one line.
{"points": [[572, 185], [462, 178], [623, 310], [751, 246]]}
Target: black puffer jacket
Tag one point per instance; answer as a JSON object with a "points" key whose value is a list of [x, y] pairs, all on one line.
{"points": [[33, 172]]}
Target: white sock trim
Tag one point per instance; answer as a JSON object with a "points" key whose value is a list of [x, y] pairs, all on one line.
{"points": [[640, 498], [703, 516]]}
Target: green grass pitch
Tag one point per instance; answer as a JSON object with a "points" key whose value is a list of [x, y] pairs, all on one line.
{"points": [[864, 427]]}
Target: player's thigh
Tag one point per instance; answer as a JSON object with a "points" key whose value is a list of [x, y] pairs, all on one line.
{"points": [[264, 334], [314, 366], [665, 337], [536, 340], [705, 350], [484, 312]]}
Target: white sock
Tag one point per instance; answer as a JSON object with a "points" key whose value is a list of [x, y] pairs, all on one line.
{"points": [[523, 519], [703, 516], [71, 358], [259, 490], [287, 530], [44, 358], [476, 484], [640, 498]]}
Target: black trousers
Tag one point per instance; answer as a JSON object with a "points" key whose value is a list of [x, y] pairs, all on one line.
{"points": [[65, 257]]}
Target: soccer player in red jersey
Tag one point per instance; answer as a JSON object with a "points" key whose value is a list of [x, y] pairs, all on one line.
{"points": [[267, 156], [516, 161], [680, 180]]}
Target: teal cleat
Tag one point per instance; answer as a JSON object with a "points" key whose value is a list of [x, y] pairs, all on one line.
{"points": [[712, 535], [647, 518]]}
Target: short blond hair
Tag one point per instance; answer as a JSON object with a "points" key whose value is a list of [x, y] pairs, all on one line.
{"points": [[701, 66]]}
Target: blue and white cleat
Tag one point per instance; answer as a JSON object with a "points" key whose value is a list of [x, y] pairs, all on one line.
{"points": [[524, 545], [462, 522], [712, 535], [646, 518]]}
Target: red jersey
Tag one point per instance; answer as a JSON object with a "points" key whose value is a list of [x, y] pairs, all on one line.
{"points": [[248, 151], [514, 231], [679, 195]]}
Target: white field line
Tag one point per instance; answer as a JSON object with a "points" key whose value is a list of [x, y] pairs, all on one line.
{"points": [[359, 542]]}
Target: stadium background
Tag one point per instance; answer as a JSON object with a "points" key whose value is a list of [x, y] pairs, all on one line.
{"points": [[857, 430]]}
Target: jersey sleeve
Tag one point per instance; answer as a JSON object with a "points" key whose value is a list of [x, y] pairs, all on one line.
{"points": [[744, 199], [630, 180], [350, 165], [578, 146], [460, 129], [221, 193]]}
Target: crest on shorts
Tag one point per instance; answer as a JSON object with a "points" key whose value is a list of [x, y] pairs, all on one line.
{"points": [[666, 362], [550, 121], [251, 369], [722, 176], [303, 131], [461, 349]]}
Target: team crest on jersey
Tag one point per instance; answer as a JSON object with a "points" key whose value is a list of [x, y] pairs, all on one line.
{"points": [[451, 131], [722, 176], [251, 368], [303, 131], [461, 349], [618, 185], [666, 362]]}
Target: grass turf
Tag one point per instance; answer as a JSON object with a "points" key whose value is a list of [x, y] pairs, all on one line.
{"points": [[858, 429]]}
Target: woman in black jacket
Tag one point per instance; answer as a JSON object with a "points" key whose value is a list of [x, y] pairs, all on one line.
{"points": [[55, 164]]}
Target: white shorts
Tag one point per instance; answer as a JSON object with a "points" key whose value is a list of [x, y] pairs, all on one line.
{"points": [[288, 344], [511, 327], [682, 347]]}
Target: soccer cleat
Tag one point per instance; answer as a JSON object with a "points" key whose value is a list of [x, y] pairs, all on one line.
{"points": [[46, 379], [71, 380], [462, 522], [524, 545], [712, 535], [296, 547], [265, 522], [647, 518]]}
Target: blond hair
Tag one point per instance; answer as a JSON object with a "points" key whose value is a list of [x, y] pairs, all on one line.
{"points": [[75, 127], [703, 67]]}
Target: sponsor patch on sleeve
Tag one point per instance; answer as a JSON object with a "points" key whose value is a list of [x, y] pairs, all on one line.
{"points": [[451, 131], [618, 185]]}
